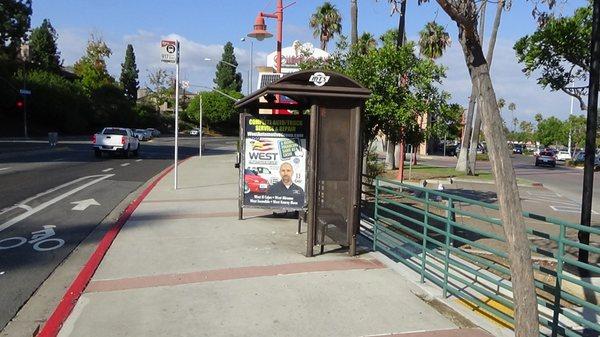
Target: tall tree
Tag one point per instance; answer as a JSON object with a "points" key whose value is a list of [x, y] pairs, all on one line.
{"points": [[477, 118], [42, 47], [465, 14], [354, 21], [326, 21], [15, 20], [433, 40], [226, 77], [91, 67], [129, 75], [558, 52]]}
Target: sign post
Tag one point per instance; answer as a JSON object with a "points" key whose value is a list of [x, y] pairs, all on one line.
{"points": [[170, 54]]}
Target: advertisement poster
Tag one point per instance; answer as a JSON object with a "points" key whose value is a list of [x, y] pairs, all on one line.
{"points": [[275, 161]]}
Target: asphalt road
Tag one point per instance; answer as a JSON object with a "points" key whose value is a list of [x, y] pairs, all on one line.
{"points": [[52, 199], [565, 181]]}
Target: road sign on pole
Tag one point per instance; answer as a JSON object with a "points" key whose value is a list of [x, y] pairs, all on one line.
{"points": [[169, 51], [24, 92], [170, 54]]}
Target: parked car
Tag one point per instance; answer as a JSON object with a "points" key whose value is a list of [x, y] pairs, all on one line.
{"points": [[194, 132], [546, 158], [142, 134], [537, 150], [518, 149], [154, 132], [115, 140], [271, 177], [563, 155], [253, 183]]}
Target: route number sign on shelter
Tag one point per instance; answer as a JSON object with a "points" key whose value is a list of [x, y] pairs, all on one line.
{"points": [[169, 51]]}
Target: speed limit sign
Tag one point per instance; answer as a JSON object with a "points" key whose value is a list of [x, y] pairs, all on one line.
{"points": [[169, 51]]}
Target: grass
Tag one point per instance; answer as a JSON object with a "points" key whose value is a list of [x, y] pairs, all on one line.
{"points": [[422, 172]]}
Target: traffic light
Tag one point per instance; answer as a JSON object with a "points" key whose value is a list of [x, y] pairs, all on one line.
{"points": [[20, 104]]}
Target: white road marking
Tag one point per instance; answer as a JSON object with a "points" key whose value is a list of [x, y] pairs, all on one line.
{"points": [[4, 168], [139, 160], [58, 159], [108, 169], [81, 205], [124, 164], [2, 272], [54, 200], [25, 207]]}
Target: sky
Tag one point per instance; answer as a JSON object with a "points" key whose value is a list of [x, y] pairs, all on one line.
{"points": [[204, 26]]}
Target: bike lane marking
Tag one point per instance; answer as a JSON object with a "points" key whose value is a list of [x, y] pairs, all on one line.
{"points": [[52, 201]]}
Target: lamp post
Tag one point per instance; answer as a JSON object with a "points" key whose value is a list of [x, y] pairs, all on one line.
{"points": [[232, 65], [251, 64]]}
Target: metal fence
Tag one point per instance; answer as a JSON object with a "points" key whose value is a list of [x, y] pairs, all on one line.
{"points": [[458, 244]]}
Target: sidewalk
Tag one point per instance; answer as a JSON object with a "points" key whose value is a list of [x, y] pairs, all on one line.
{"points": [[184, 265]]}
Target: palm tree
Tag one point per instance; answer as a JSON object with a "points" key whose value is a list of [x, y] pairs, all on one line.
{"points": [[512, 107], [326, 21], [365, 43], [433, 40], [354, 21]]}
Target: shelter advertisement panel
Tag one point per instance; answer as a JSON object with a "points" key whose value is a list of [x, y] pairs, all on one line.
{"points": [[275, 161]]}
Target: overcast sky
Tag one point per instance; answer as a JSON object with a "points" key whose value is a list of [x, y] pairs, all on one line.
{"points": [[204, 26]]}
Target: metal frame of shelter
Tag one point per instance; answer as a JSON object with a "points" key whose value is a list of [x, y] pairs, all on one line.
{"points": [[334, 149]]}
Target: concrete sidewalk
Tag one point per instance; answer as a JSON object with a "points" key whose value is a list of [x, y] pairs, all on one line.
{"points": [[184, 265]]}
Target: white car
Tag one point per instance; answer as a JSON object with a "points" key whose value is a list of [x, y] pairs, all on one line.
{"points": [[115, 140], [563, 155], [194, 132]]}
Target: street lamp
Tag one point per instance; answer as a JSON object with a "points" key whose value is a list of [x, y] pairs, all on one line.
{"points": [[234, 66], [251, 63]]}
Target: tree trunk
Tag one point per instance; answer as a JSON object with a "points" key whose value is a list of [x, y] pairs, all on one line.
{"points": [[389, 155], [472, 158], [354, 21], [524, 296], [401, 157], [461, 164]]}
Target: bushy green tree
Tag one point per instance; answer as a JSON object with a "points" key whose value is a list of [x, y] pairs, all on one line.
{"points": [[91, 67], [226, 77], [129, 75], [15, 20], [42, 47], [217, 110], [57, 104], [559, 51], [551, 131]]}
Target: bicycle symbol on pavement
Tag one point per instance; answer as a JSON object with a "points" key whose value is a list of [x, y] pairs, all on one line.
{"points": [[41, 240]]}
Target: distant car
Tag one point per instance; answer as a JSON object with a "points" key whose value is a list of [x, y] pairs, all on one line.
{"points": [[194, 132], [545, 158], [142, 134], [563, 155], [253, 183], [518, 149], [537, 151], [154, 132]]}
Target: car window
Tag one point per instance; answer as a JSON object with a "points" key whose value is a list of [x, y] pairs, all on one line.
{"points": [[112, 131], [545, 153]]}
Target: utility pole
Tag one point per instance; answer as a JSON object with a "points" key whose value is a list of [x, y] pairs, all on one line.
{"points": [[590, 138], [399, 44]]}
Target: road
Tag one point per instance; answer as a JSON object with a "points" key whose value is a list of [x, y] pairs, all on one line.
{"points": [[52, 199], [565, 181]]}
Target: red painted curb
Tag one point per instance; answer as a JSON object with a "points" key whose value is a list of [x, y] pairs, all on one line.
{"points": [[67, 303]]}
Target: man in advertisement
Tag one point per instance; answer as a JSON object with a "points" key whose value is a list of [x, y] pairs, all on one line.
{"points": [[286, 187]]}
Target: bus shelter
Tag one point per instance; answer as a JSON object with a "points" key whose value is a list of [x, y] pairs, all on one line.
{"points": [[307, 158]]}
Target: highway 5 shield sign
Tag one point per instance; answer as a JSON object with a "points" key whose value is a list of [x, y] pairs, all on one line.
{"points": [[169, 51]]}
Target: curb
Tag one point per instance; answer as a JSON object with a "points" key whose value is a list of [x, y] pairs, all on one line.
{"points": [[53, 325]]}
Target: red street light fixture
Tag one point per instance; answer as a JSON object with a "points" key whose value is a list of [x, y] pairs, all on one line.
{"points": [[260, 29]]}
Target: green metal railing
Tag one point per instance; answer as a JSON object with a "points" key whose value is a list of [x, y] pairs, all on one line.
{"points": [[458, 244]]}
